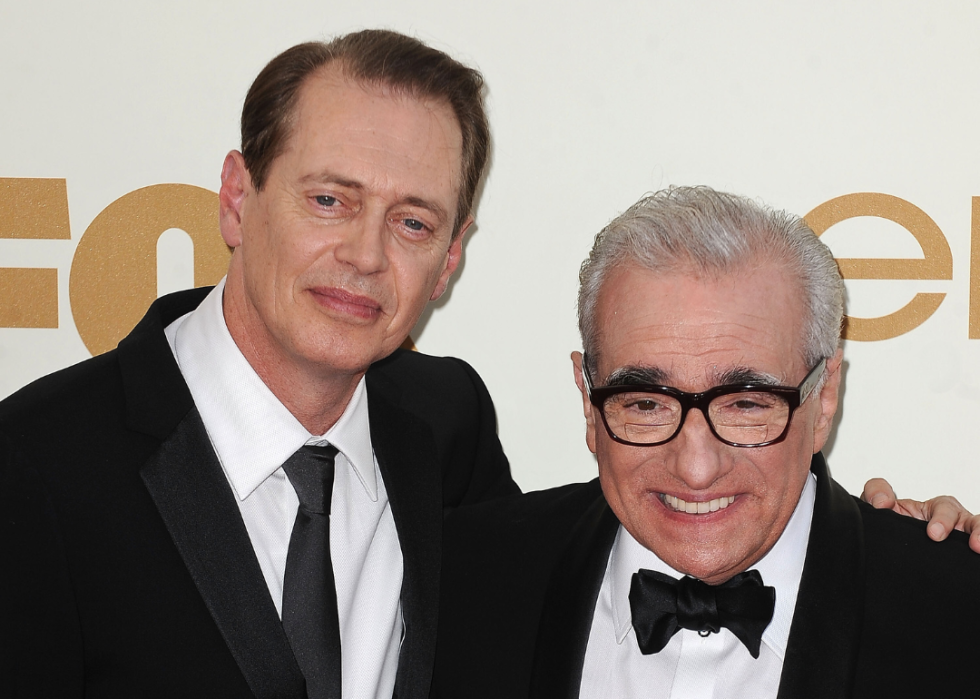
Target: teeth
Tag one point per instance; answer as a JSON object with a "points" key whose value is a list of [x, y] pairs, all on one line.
{"points": [[694, 508]]}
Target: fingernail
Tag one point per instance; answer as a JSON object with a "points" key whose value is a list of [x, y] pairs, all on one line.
{"points": [[879, 500], [936, 530]]}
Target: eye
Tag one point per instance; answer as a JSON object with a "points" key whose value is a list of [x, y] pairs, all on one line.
{"points": [[325, 200], [747, 405], [745, 402], [644, 404], [414, 224]]}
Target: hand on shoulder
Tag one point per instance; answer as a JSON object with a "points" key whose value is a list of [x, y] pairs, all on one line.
{"points": [[944, 512]]}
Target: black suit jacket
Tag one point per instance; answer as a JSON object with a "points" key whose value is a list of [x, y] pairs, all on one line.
{"points": [[127, 569], [882, 611]]}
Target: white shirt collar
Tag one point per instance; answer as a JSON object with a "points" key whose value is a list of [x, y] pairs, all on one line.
{"points": [[251, 430], [781, 568]]}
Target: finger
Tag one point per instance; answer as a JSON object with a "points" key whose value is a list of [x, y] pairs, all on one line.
{"points": [[944, 515], [975, 539], [879, 493], [937, 530]]}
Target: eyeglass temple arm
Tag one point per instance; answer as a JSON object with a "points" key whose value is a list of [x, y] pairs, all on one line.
{"points": [[812, 379]]}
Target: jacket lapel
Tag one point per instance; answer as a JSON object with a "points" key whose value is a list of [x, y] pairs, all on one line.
{"points": [[406, 454], [566, 619], [156, 396], [823, 641], [192, 495]]}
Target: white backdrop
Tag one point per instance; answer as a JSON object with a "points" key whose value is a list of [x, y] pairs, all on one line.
{"points": [[592, 104]]}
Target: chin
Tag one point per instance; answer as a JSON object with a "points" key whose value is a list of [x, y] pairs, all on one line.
{"points": [[711, 559], [341, 354], [708, 568]]}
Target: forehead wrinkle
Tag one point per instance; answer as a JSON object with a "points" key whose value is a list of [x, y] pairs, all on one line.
{"points": [[722, 328]]}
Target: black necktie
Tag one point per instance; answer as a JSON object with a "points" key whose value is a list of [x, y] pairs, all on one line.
{"points": [[309, 598], [662, 606]]}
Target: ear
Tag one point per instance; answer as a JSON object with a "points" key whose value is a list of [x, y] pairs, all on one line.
{"points": [[587, 406], [827, 401], [453, 257], [236, 183]]}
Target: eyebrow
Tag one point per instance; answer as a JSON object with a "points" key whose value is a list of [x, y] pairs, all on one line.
{"points": [[740, 375], [655, 376], [637, 376], [331, 178], [427, 205]]}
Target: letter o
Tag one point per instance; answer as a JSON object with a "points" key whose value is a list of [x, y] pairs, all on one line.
{"points": [[113, 274]]}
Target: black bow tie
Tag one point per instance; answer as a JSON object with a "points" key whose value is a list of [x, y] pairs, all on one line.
{"points": [[662, 606]]}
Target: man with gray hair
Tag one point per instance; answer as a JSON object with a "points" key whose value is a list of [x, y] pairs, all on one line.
{"points": [[714, 556]]}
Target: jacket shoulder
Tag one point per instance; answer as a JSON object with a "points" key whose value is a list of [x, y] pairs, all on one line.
{"points": [[499, 559], [142, 367], [417, 373], [899, 545], [507, 547], [451, 399], [546, 515], [61, 396], [920, 608]]}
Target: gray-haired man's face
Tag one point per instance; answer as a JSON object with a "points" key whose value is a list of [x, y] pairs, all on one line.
{"points": [[706, 508]]}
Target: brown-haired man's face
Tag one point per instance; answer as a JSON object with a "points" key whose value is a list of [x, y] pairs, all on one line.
{"points": [[351, 235]]}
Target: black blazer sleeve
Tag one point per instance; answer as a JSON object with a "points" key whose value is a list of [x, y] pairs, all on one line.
{"points": [[40, 641]]}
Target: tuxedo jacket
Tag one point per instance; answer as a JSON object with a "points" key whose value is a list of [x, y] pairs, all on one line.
{"points": [[127, 570], [882, 610]]}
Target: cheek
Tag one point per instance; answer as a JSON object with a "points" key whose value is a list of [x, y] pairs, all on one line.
{"points": [[622, 472], [782, 481], [414, 279]]}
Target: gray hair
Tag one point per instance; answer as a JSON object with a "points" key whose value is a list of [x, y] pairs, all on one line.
{"points": [[711, 233]]}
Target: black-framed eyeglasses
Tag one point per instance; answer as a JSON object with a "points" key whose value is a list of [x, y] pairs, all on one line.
{"points": [[740, 415]]}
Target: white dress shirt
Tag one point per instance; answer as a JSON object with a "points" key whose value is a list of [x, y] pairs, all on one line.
{"points": [[691, 666], [253, 434]]}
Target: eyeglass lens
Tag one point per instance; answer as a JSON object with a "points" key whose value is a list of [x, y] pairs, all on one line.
{"points": [[743, 418]]}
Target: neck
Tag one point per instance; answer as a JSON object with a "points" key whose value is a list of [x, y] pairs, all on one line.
{"points": [[315, 399], [315, 395]]}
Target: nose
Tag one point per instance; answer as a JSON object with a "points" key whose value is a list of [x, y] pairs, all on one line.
{"points": [[699, 458], [363, 243]]}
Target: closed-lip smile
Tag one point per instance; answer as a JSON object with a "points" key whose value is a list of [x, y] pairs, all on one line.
{"points": [[346, 302]]}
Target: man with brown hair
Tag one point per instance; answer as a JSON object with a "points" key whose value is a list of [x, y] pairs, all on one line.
{"points": [[172, 507]]}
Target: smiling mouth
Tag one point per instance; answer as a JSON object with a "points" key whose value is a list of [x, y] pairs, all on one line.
{"points": [[696, 508], [346, 302]]}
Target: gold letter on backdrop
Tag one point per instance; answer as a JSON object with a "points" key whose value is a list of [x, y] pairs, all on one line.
{"points": [[33, 208], [975, 271], [936, 263], [114, 273]]}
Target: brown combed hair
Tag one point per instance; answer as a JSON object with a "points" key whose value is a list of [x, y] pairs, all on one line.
{"points": [[376, 57]]}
